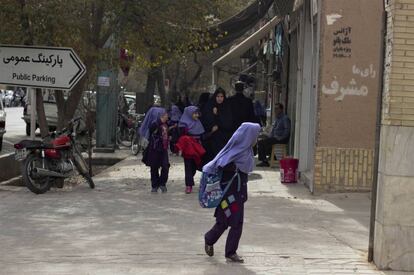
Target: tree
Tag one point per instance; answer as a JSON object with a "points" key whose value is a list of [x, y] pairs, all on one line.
{"points": [[82, 25], [169, 32], [155, 31]]}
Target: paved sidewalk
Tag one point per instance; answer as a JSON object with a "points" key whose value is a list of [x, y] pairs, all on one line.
{"points": [[121, 228]]}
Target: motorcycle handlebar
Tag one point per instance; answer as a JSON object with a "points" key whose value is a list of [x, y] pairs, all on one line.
{"points": [[71, 122]]}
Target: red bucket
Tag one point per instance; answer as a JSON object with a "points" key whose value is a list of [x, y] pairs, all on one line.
{"points": [[289, 170]]}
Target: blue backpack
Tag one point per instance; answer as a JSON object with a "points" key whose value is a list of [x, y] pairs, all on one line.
{"points": [[211, 193]]}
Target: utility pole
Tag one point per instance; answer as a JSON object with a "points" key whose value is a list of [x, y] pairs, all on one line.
{"points": [[107, 104]]}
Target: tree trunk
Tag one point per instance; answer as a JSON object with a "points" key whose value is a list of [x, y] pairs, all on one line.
{"points": [[187, 85], [67, 108], [28, 40], [173, 95], [61, 109], [74, 98], [25, 22], [140, 99], [41, 116], [161, 87], [150, 88]]}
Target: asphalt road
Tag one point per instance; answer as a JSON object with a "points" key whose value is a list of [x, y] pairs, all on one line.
{"points": [[15, 129]]}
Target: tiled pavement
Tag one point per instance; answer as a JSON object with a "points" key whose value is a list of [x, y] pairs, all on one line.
{"points": [[121, 228]]}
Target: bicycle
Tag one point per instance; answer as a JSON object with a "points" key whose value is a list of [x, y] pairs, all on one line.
{"points": [[125, 130], [137, 141]]}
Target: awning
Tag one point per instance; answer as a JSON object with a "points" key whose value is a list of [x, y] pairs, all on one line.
{"points": [[245, 45], [239, 24], [297, 4]]}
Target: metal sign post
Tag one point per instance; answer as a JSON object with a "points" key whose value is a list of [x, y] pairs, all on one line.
{"points": [[32, 113]]}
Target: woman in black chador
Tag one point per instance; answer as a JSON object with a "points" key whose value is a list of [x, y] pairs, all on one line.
{"points": [[216, 115]]}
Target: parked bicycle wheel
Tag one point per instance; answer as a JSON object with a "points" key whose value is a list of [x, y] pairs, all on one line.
{"points": [[124, 136], [136, 146]]}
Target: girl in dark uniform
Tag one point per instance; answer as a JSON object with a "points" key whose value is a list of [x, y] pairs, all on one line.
{"points": [[190, 125], [235, 157], [156, 153]]}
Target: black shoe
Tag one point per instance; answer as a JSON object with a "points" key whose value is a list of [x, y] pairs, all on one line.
{"points": [[163, 189], [263, 164], [154, 190], [235, 258], [209, 250]]}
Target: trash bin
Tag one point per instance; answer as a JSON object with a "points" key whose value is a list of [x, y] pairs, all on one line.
{"points": [[289, 170]]}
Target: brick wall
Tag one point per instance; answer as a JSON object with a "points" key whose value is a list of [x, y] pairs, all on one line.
{"points": [[398, 108], [340, 170]]}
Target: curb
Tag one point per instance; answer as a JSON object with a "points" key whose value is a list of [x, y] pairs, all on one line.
{"points": [[16, 181], [10, 168], [11, 174]]}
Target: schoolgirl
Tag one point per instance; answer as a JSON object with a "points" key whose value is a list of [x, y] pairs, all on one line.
{"points": [[155, 128], [189, 144], [235, 157]]}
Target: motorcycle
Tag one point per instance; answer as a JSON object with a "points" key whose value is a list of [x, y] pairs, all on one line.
{"points": [[46, 163]]}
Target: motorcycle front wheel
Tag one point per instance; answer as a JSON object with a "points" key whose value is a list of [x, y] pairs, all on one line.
{"points": [[82, 167], [36, 184]]}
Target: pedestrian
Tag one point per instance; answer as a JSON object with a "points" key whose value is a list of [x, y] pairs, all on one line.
{"points": [[175, 115], [202, 101], [156, 153], [216, 114], [241, 107], [189, 144], [235, 157], [187, 101], [259, 111], [180, 104], [150, 116], [279, 135]]}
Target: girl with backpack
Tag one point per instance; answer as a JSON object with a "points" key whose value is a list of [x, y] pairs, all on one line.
{"points": [[235, 157], [155, 129], [189, 144]]}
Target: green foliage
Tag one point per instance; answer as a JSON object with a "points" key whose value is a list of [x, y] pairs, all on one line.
{"points": [[156, 31], [160, 31]]}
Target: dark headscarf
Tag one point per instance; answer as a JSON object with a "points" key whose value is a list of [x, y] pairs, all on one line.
{"points": [[219, 90], [180, 104], [209, 119], [202, 100]]}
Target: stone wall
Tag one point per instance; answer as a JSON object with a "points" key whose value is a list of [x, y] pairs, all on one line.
{"points": [[398, 98], [394, 223], [349, 85]]}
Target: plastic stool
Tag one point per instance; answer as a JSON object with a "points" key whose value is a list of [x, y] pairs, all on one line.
{"points": [[278, 150]]}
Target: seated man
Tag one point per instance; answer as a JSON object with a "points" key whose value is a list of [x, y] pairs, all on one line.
{"points": [[279, 135]]}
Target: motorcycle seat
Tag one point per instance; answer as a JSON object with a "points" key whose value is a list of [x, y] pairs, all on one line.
{"points": [[33, 144]]}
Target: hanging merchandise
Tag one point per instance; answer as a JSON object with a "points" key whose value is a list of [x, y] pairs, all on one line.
{"points": [[278, 40], [270, 47]]}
